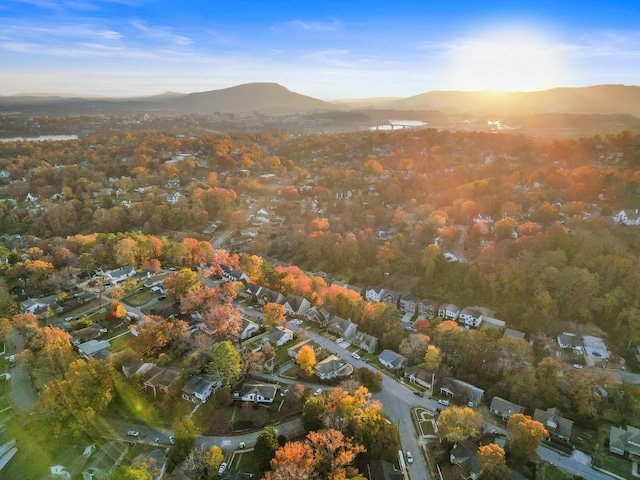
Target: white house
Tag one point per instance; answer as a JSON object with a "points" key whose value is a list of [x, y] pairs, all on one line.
{"points": [[35, 305], [392, 360], [449, 311], [279, 336], [257, 392], [627, 217], [249, 328], [374, 293], [115, 276], [296, 305], [332, 367], [199, 389], [470, 317]]}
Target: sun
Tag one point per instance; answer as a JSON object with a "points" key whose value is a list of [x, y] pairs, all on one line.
{"points": [[506, 61]]}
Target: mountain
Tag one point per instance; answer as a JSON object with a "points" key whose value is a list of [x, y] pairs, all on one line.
{"points": [[269, 98], [598, 99]]}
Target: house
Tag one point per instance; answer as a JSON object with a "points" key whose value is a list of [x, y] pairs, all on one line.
{"points": [[409, 304], [292, 352], [621, 441], [595, 349], [115, 276], [267, 295], [160, 378], [343, 328], [318, 315], [419, 376], [232, 275], [58, 472], [199, 389], [251, 290], [374, 293], [156, 280], [257, 392], [428, 308], [383, 470], [94, 349], [36, 305], [503, 408], [465, 455], [571, 341], [248, 328], [449, 311], [135, 366], [391, 298], [556, 425], [154, 462], [296, 305], [279, 336], [462, 391], [627, 217], [471, 317], [392, 360], [365, 342], [332, 367], [88, 333], [105, 461]]}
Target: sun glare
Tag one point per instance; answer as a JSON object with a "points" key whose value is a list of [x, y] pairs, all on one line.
{"points": [[510, 61]]}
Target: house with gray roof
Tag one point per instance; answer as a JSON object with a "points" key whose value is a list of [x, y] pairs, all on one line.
{"points": [[233, 275], [248, 328], [570, 341], [623, 441], [392, 360], [343, 328], [449, 311], [257, 392], [318, 315], [199, 389], [409, 304], [332, 367], [37, 305], [296, 305], [428, 308], [292, 352], [465, 455], [462, 391], [160, 379], [503, 408], [391, 298], [556, 424], [279, 336], [419, 376], [105, 461], [509, 332], [153, 462], [365, 342], [471, 317], [119, 275], [267, 295], [94, 349], [374, 293]]}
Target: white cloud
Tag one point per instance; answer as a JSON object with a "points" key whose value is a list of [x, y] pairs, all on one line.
{"points": [[161, 33], [314, 26]]}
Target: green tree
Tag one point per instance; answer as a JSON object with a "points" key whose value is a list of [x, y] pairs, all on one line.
{"points": [[226, 363], [313, 412], [266, 446], [185, 433]]}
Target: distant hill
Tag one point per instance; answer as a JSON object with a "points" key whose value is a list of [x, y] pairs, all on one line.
{"points": [[269, 98], [598, 99]]}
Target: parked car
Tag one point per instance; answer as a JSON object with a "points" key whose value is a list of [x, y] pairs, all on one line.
{"points": [[223, 467], [284, 392], [133, 433], [172, 439], [355, 355], [317, 392], [577, 365], [340, 340], [420, 394], [444, 402], [409, 457], [242, 445]]}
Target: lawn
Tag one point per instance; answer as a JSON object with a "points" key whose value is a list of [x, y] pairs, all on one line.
{"points": [[140, 299], [247, 462]]}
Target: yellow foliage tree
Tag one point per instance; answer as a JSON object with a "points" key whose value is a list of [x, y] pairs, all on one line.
{"points": [[306, 359], [456, 423]]}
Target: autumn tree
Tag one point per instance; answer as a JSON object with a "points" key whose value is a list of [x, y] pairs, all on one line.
{"points": [[72, 404], [181, 283], [372, 379], [53, 352], [457, 423], [185, 433], [292, 460], [525, 436], [493, 463], [274, 314], [432, 359], [226, 363], [155, 335], [414, 347], [306, 359]]}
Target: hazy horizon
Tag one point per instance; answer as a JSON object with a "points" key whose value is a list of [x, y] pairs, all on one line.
{"points": [[329, 50]]}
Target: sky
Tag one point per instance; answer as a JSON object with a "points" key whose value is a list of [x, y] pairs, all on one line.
{"points": [[325, 49]]}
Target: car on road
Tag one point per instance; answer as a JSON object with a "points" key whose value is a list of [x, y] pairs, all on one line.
{"points": [[444, 402], [577, 365], [420, 394], [172, 439], [242, 445], [409, 457], [284, 392], [317, 392], [223, 467], [133, 433], [355, 355]]}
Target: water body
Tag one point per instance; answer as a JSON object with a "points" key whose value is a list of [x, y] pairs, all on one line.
{"points": [[399, 124], [41, 138]]}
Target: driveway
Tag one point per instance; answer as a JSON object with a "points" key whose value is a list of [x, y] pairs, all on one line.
{"points": [[570, 465]]}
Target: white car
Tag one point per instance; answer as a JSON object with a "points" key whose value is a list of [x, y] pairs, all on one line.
{"points": [[133, 433], [317, 392], [409, 457], [355, 355], [284, 392], [444, 402], [340, 340], [577, 366], [223, 467]]}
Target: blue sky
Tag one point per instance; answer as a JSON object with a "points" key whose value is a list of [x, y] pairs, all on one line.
{"points": [[328, 49]]}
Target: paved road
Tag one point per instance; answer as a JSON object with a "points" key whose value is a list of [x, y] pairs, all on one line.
{"points": [[397, 401], [568, 465], [22, 391]]}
